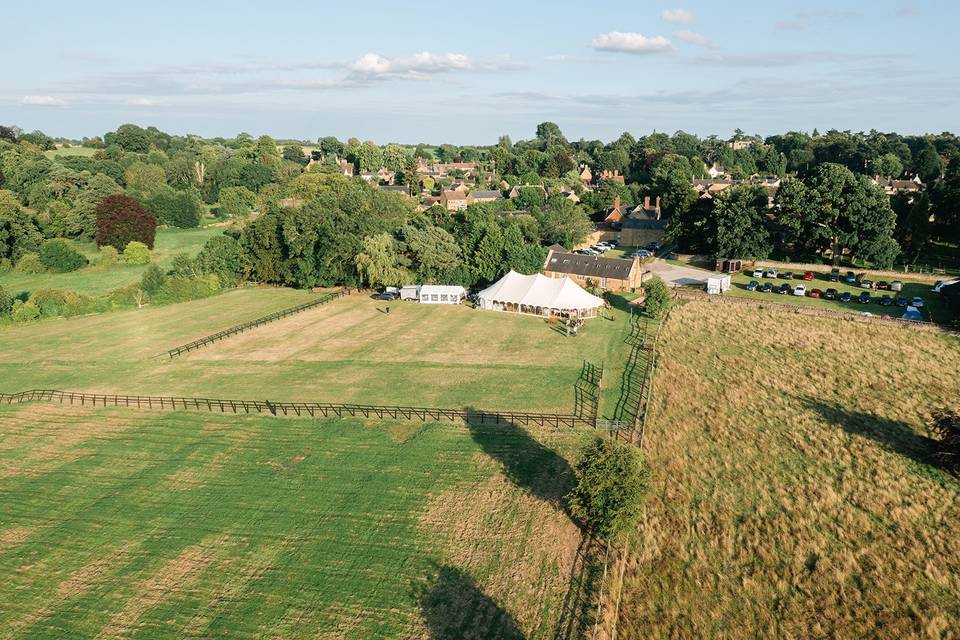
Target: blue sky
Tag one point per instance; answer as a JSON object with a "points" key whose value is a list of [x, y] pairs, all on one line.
{"points": [[413, 71]]}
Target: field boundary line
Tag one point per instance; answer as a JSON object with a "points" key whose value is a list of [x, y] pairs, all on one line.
{"points": [[251, 324], [298, 409]]}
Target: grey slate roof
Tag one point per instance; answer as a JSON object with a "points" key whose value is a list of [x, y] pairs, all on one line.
{"points": [[590, 266]]}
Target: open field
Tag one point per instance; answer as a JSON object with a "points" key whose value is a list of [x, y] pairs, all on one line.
{"points": [[70, 151], [117, 523], [347, 351], [92, 280], [792, 495]]}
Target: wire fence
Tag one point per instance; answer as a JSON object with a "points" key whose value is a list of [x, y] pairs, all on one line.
{"points": [[240, 328], [299, 409]]}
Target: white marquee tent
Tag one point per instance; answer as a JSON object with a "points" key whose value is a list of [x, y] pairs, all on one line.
{"points": [[539, 295]]}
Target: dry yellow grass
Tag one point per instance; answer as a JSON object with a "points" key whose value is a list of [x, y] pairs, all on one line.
{"points": [[791, 495]]}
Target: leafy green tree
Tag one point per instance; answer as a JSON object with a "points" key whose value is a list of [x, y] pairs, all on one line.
{"points": [[740, 215], [945, 203], [369, 157], [266, 151], [330, 146], [434, 253], [130, 138], [30, 263], [380, 264], [656, 297], [562, 222], [19, 232], [395, 157], [82, 221], [928, 164], [223, 256], [152, 279], [60, 256], [913, 223], [144, 180], [181, 209], [888, 164], [294, 153], [487, 261], [610, 486], [237, 201]]}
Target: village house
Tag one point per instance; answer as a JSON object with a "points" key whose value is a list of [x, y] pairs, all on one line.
{"points": [[484, 196], [346, 168], [643, 225], [613, 215], [609, 274], [586, 175], [453, 200], [611, 176], [893, 187], [515, 191]]}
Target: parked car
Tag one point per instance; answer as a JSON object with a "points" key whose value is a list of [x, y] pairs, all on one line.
{"points": [[757, 273], [846, 297], [771, 273], [850, 278], [590, 252], [815, 293], [901, 301], [388, 295], [866, 284], [896, 285], [864, 298], [753, 285], [834, 275], [799, 290], [787, 275], [883, 285], [830, 294], [643, 254], [766, 288], [917, 302], [808, 276], [784, 289], [653, 246], [886, 300]]}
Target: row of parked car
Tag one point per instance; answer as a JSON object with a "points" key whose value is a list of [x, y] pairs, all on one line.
{"points": [[833, 294], [849, 278], [598, 249]]}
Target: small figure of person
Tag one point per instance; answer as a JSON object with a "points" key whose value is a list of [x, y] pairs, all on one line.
{"points": [[388, 309]]}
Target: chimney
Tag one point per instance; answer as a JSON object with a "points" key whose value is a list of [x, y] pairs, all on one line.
{"points": [[616, 202], [658, 207], [646, 202]]}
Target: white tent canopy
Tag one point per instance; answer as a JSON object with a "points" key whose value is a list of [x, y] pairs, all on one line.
{"points": [[538, 295]]}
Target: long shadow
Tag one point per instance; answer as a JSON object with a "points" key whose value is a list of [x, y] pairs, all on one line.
{"points": [[454, 606], [529, 464], [892, 434]]}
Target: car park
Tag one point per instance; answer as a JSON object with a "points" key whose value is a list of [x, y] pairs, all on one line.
{"points": [[886, 300], [917, 302], [815, 293], [808, 276], [800, 290], [753, 285], [846, 297], [834, 275], [864, 298], [766, 288], [830, 294], [784, 289], [771, 273], [757, 273], [901, 301], [850, 278]]}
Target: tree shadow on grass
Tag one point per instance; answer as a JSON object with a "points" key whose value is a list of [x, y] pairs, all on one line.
{"points": [[893, 435], [529, 464], [454, 606]]}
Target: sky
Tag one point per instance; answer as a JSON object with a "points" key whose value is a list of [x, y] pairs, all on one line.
{"points": [[465, 73]]}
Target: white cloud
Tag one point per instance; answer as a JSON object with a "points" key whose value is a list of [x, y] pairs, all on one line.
{"points": [[141, 102], [692, 37], [43, 101], [416, 66], [681, 16], [631, 43]]}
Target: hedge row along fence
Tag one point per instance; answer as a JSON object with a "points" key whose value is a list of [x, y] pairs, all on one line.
{"points": [[252, 324], [297, 409]]}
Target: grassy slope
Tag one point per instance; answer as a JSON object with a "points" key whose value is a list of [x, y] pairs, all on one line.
{"points": [[70, 151], [118, 523], [91, 280], [346, 351], [933, 305], [791, 492]]}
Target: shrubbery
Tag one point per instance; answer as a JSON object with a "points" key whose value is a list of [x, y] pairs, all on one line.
{"points": [[181, 289], [136, 253], [611, 484], [121, 220], [57, 302], [108, 257], [30, 263], [24, 311], [657, 299], [6, 303], [223, 256], [153, 278], [60, 256]]}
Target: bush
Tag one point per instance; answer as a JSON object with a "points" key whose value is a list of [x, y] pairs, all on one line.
{"points": [[60, 256], [24, 311], [181, 289], [946, 426], [657, 299], [237, 201], [153, 278], [6, 303], [184, 264], [176, 208], [121, 220], [611, 484], [57, 302], [222, 255], [136, 253], [108, 257], [30, 263]]}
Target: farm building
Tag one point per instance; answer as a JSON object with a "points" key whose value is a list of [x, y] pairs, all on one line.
{"points": [[540, 296], [718, 284], [442, 294], [609, 274]]}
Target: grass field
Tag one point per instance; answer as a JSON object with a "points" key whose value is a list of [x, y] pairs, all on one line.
{"points": [[70, 151], [117, 524], [347, 351], [792, 494], [91, 280]]}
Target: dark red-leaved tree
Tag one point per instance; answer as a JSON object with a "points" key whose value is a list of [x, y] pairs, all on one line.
{"points": [[121, 219]]}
